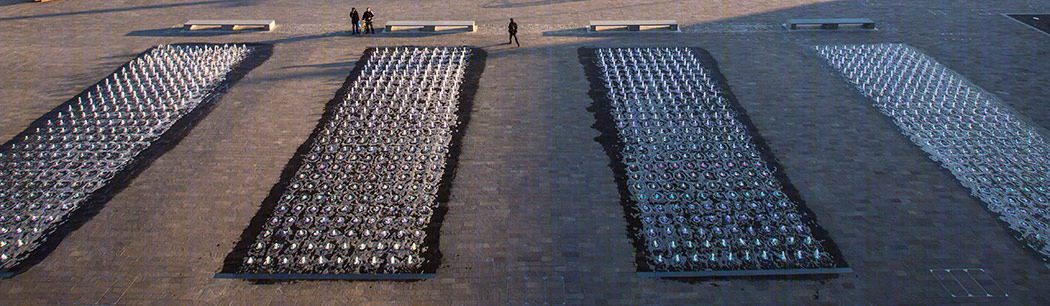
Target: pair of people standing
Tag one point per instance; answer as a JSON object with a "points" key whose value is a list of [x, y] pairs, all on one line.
{"points": [[356, 21]]}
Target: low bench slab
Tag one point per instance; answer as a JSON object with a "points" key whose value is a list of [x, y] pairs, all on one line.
{"points": [[230, 25], [633, 25], [831, 23], [430, 25]]}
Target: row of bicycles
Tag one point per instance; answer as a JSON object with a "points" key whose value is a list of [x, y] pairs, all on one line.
{"points": [[989, 148], [53, 167], [364, 195], [704, 197]]}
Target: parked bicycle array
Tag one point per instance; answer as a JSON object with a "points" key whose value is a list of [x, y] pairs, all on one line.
{"points": [[991, 149], [365, 193], [705, 197], [52, 168]]}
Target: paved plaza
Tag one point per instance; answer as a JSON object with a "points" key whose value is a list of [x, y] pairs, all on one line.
{"points": [[534, 216]]}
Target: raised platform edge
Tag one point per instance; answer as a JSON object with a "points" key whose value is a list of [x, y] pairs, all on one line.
{"points": [[748, 272], [292, 276]]}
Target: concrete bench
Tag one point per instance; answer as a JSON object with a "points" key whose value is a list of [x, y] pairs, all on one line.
{"points": [[430, 25], [229, 25], [632, 25], [832, 23]]}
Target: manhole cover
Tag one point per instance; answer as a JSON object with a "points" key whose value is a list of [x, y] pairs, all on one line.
{"points": [[1039, 22]]}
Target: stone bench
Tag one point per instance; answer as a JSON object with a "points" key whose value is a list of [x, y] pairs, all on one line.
{"points": [[430, 26], [632, 25], [832, 23], [229, 25]]}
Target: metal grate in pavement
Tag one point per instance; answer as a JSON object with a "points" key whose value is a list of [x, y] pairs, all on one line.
{"points": [[968, 283]]}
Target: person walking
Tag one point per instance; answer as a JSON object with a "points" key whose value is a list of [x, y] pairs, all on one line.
{"points": [[355, 20], [513, 29], [368, 20]]}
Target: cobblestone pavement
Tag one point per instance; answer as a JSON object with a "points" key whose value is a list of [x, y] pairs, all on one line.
{"points": [[534, 215]]}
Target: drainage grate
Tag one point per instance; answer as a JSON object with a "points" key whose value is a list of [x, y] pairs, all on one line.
{"points": [[968, 283], [1039, 22]]}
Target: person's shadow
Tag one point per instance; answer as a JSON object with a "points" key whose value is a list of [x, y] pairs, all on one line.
{"points": [[492, 45], [14, 2], [102, 11]]}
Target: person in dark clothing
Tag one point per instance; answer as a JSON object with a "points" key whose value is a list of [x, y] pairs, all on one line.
{"points": [[355, 20], [368, 21], [513, 29]]}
